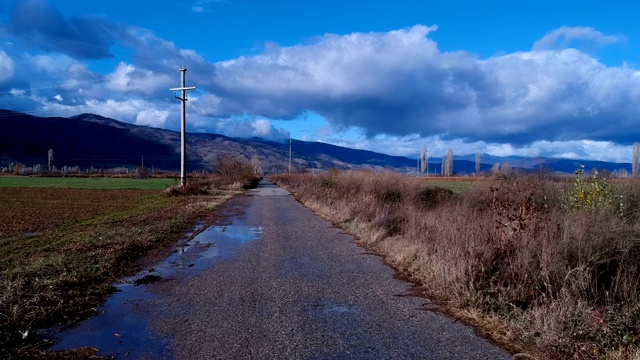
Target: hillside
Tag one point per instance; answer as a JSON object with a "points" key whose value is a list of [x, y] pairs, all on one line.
{"points": [[89, 140]]}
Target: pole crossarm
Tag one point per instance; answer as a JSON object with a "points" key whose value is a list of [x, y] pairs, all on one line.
{"points": [[183, 88]]}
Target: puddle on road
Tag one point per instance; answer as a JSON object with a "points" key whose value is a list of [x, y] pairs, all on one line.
{"points": [[121, 328]]}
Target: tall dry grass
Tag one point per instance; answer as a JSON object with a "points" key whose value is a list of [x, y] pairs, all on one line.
{"points": [[509, 255]]}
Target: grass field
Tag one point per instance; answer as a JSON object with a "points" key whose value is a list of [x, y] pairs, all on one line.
{"points": [[62, 248], [85, 183]]}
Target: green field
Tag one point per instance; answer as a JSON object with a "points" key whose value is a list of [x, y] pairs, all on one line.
{"points": [[86, 183]]}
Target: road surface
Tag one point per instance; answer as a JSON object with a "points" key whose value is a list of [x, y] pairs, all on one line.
{"points": [[306, 291]]}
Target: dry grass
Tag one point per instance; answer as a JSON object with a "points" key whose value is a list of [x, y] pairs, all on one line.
{"points": [[507, 255]]}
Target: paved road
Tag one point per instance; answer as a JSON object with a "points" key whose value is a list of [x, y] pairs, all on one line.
{"points": [[304, 290]]}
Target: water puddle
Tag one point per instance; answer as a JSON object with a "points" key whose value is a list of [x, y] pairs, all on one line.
{"points": [[121, 327]]}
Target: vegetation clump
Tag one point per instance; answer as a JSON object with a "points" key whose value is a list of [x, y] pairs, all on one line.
{"points": [[593, 195]]}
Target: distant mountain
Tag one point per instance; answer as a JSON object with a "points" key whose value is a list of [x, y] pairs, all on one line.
{"points": [[87, 140]]}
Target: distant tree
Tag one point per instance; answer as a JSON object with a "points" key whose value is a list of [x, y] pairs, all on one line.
{"points": [[423, 157], [255, 163], [495, 168], [448, 165], [506, 168], [635, 157], [444, 159], [478, 156], [50, 159]]}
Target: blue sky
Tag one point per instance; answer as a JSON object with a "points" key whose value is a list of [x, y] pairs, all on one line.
{"points": [[500, 77]]}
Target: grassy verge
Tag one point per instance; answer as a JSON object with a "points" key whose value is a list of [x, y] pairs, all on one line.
{"points": [[63, 248], [86, 182], [544, 267]]}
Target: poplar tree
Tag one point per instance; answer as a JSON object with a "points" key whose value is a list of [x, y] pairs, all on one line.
{"points": [[50, 158], [635, 157], [448, 166], [423, 157]]}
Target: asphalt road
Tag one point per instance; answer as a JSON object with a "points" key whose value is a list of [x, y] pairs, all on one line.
{"points": [[303, 290]]}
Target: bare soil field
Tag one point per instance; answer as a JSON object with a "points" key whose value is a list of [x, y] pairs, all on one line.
{"points": [[63, 248], [31, 211]]}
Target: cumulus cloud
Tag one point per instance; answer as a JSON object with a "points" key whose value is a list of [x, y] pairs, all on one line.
{"points": [[127, 78], [151, 117], [399, 83], [574, 36], [240, 128], [7, 67]]}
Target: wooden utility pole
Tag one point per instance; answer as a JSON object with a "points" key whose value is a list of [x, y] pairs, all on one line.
{"points": [[183, 139]]}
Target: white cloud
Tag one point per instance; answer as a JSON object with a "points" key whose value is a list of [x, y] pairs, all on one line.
{"points": [[17, 92], [566, 36], [128, 78], [201, 6], [151, 117], [241, 128], [7, 67], [399, 83]]}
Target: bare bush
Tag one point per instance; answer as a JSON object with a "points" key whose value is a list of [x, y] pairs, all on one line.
{"points": [[229, 170]]}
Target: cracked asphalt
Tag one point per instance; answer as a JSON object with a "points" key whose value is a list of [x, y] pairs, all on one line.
{"points": [[304, 290]]}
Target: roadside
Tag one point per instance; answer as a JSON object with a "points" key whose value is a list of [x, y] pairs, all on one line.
{"points": [[64, 248], [540, 265]]}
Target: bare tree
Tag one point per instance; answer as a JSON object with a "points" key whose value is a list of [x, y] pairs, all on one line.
{"points": [[478, 156], [448, 166], [255, 163], [444, 159], [506, 168], [495, 168], [635, 157], [423, 157]]}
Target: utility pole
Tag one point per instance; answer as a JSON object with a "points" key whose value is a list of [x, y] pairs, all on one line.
{"points": [[183, 139], [289, 155]]}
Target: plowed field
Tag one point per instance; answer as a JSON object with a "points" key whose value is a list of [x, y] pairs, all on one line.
{"points": [[29, 211]]}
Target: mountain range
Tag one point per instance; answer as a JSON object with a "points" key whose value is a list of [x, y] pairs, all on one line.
{"points": [[89, 140]]}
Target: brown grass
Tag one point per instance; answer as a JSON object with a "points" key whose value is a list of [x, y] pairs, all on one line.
{"points": [[507, 255]]}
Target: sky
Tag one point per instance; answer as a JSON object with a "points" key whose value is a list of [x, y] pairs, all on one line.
{"points": [[529, 78]]}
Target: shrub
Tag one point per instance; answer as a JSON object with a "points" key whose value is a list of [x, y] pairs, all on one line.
{"points": [[593, 195], [230, 170]]}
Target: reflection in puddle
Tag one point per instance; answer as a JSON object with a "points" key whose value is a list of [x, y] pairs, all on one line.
{"points": [[121, 328]]}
